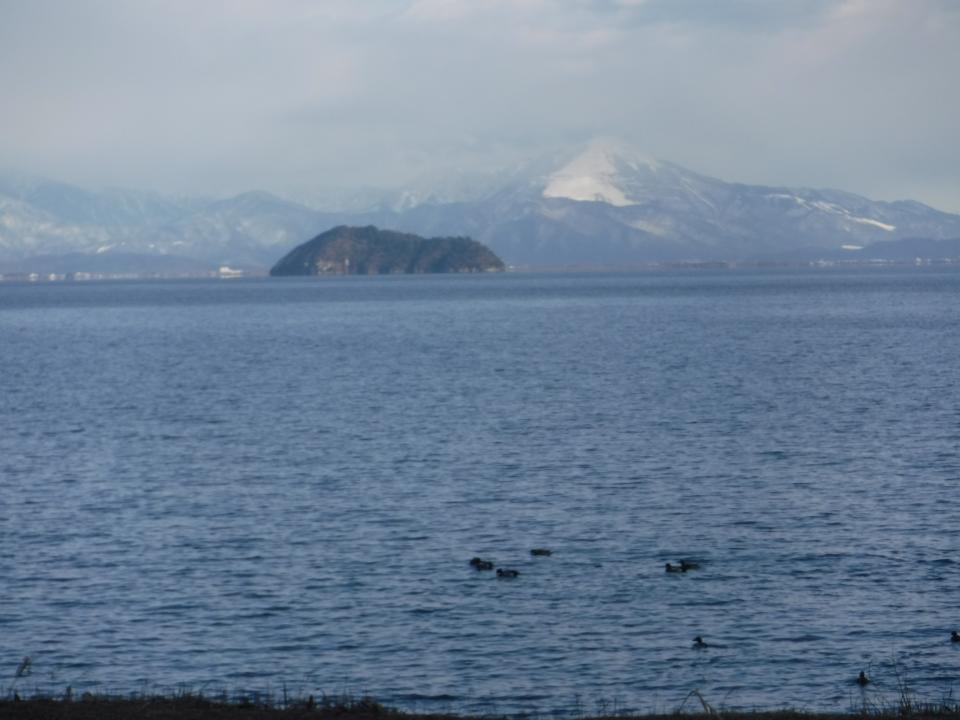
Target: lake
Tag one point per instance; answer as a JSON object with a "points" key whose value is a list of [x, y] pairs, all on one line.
{"points": [[266, 484]]}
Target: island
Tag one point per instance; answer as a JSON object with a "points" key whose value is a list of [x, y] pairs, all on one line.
{"points": [[346, 250]]}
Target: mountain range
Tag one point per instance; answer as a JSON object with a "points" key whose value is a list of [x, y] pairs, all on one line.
{"points": [[599, 205]]}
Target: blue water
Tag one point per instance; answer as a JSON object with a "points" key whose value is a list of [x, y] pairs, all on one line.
{"points": [[258, 484]]}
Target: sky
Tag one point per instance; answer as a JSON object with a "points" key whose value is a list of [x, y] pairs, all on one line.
{"points": [[300, 97]]}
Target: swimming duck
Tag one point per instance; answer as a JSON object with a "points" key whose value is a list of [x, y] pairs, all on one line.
{"points": [[863, 679], [481, 564], [674, 568], [541, 552], [698, 643], [688, 565], [506, 573]]}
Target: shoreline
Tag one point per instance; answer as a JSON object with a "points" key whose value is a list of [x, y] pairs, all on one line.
{"points": [[199, 707]]}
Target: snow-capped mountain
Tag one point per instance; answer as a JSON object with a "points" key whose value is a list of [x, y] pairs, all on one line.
{"points": [[41, 217], [606, 204], [602, 204]]}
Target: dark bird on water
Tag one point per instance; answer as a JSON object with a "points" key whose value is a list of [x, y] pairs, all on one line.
{"points": [[863, 679], [674, 568], [698, 643], [506, 573], [955, 637], [481, 564], [542, 552]]}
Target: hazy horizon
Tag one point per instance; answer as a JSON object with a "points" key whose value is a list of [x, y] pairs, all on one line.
{"points": [[300, 98]]}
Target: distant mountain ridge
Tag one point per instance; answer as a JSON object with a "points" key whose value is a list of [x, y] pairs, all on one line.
{"points": [[608, 205], [602, 204], [47, 218]]}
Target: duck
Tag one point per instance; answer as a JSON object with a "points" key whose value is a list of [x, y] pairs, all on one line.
{"points": [[689, 565], [481, 564], [955, 637], [674, 568], [541, 552], [862, 679], [698, 643], [507, 573]]}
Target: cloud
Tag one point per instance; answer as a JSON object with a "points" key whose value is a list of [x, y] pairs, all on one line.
{"points": [[294, 95]]}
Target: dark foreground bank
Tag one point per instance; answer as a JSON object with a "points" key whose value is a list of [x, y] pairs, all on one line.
{"points": [[194, 707]]}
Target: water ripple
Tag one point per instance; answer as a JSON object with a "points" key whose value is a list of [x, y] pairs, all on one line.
{"points": [[276, 483]]}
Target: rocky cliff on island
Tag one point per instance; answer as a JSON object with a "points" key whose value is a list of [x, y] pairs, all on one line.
{"points": [[367, 250]]}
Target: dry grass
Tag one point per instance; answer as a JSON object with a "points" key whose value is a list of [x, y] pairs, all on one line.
{"points": [[198, 707]]}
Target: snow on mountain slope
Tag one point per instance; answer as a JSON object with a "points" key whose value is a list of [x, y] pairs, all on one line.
{"points": [[597, 175]]}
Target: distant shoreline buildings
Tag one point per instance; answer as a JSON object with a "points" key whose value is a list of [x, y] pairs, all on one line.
{"points": [[223, 273]]}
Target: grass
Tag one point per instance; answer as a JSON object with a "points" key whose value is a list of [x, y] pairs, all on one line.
{"points": [[191, 706], [18, 704]]}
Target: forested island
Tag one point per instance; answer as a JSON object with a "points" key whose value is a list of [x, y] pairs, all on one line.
{"points": [[346, 250]]}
